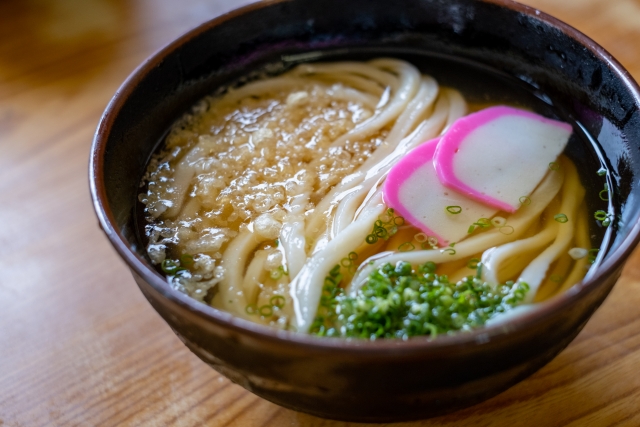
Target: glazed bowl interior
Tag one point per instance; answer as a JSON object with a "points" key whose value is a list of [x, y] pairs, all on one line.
{"points": [[508, 48]]}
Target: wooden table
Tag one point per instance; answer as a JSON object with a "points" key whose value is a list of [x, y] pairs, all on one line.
{"points": [[79, 345]]}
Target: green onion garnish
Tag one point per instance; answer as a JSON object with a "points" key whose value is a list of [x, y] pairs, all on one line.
{"points": [[275, 274], [600, 215], [406, 247], [170, 266], [473, 263], [266, 310], [524, 201], [385, 226], [454, 210], [398, 301], [604, 194], [420, 237], [561, 218], [507, 229], [277, 301], [602, 171], [604, 217], [554, 166]]}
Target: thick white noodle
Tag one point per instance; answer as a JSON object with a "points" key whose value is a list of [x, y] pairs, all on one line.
{"points": [[342, 199], [572, 195], [292, 235], [457, 106], [416, 108], [409, 78], [184, 173], [261, 87], [306, 288], [347, 206], [582, 241], [253, 276], [376, 77], [234, 260], [494, 259]]}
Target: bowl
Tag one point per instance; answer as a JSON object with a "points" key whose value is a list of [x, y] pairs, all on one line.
{"points": [[384, 380]]}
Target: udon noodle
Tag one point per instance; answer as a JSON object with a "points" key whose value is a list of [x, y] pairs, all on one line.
{"points": [[260, 192]]}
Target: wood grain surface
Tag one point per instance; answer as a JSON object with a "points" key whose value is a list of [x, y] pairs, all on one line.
{"points": [[79, 345]]}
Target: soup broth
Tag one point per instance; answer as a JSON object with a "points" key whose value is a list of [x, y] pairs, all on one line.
{"points": [[267, 202]]}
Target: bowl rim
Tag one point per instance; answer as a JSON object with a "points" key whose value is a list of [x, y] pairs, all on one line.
{"points": [[377, 348]]}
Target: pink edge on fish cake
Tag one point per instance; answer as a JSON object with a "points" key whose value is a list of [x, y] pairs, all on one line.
{"points": [[401, 172], [452, 141]]}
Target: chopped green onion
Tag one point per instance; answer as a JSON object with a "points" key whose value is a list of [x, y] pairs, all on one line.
{"points": [[277, 301], [561, 218], [275, 274], [353, 256], [554, 166], [169, 266], [266, 310], [450, 251], [276, 242], [420, 237], [483, 222], [524, 201], [473, 263], [433, 242], [250, 309], [345, 262], [604, 217], [398, 301], [385, 226], [593, 253], [604, 194], [602, 171], [507, 229], [600, 215], [406, 247], [454, 210]]}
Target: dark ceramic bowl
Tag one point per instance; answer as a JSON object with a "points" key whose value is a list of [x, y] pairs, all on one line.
{"points": [[387, 379]]}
